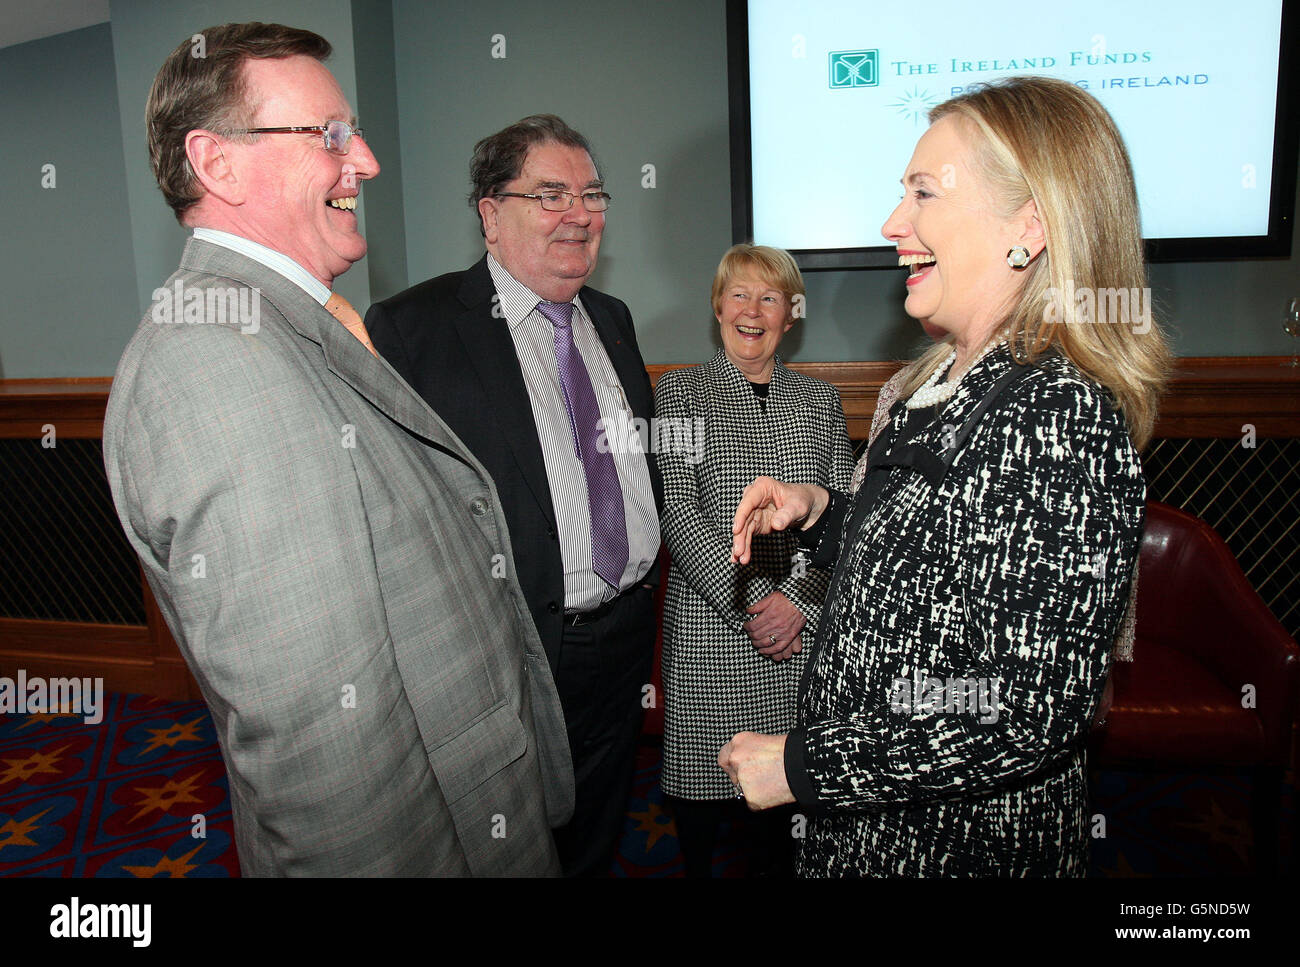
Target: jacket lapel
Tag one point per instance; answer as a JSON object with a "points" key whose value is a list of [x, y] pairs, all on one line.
{"points": [[491, 354], [345, 356], [619, 353], [373, 378], [630, 369]]}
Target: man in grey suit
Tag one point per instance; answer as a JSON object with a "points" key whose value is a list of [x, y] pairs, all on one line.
{"points": [[333, 562]]}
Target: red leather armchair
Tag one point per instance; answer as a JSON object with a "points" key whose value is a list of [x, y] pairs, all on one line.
{"points": [[1216, 678]]}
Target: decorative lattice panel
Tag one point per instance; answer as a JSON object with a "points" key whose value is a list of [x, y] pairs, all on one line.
{"points": [[1251, 496], [63, 556]]}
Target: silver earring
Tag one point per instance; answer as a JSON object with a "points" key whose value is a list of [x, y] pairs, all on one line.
{"points": [[1018, 257]]}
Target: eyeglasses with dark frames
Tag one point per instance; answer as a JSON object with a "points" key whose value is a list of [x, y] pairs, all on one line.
{"points": [[554, 200], [338, 134]]}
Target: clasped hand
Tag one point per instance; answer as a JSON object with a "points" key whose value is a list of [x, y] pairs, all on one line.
{"points": [[774, 626], [755, 764]]}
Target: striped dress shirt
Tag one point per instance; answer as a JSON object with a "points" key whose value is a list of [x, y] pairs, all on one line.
{"points": [[534, 339]]}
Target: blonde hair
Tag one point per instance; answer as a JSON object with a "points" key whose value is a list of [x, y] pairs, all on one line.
{"points": [[775, 266], [1045, 140]]}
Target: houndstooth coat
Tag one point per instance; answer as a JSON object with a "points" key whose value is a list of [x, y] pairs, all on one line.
{"points": [[715, 683], [1012, 571]]}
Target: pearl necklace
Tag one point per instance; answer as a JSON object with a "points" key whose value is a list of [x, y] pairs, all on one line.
{"points": [[932, 392]]}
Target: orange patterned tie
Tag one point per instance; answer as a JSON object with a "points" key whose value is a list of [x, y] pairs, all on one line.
{"points": [[342, 310]]}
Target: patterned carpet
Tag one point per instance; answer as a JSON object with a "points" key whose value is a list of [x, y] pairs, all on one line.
{"points": [[117, 799], [144, 794]]}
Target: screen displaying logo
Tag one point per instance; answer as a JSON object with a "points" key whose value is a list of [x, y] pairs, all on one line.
{"points": [[855, 68]]}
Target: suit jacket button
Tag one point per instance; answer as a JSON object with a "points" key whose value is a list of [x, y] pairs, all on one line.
{"points": [[553, 608], [478, 507]]}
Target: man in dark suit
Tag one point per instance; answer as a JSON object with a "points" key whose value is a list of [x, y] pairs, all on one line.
{"points": [[309, 526], [531, 368]]}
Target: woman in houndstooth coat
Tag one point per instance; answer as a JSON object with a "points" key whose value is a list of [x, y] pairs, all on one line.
{"points": [[732, 634]]}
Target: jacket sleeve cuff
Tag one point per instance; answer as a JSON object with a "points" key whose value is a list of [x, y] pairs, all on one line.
{"points": [[796, 775], [823, 538]]}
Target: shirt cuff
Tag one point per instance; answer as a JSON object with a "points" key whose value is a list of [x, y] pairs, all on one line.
{"points": [[796, 775]]}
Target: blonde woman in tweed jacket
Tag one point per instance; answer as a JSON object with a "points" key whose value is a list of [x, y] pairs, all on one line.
{"points": [[732, 634], [984, 565]]}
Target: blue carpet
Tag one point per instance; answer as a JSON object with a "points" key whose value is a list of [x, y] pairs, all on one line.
{"points": [[144, 794]]}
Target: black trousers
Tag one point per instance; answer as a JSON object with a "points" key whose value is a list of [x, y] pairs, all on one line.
{"points": [[603, 667]]}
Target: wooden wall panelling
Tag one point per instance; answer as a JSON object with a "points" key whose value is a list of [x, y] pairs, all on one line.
{"points": [[1209, 397]]}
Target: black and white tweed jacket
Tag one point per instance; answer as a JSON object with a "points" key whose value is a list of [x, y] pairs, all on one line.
{"points": [[715, 683], [947, 699]]}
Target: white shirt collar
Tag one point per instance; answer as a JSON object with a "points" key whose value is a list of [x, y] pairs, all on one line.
{"points": [[273, 260]]}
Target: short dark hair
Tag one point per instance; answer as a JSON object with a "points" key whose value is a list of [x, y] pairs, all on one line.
{"points": [[500, 157], [209, 92]]}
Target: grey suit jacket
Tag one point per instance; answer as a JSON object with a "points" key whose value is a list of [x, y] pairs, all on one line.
{"points": [[336, 568]]}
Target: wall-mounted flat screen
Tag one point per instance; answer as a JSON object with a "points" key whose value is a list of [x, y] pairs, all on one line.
{"points": [[828, 98]]}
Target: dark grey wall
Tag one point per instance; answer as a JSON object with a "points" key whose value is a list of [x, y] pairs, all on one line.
{"points": [[647, 85], [648, 88], [381, 198], [66, 267], [1228, 308]]}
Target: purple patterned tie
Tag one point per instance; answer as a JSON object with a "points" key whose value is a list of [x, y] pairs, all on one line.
{"points": [[604, 495]]}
